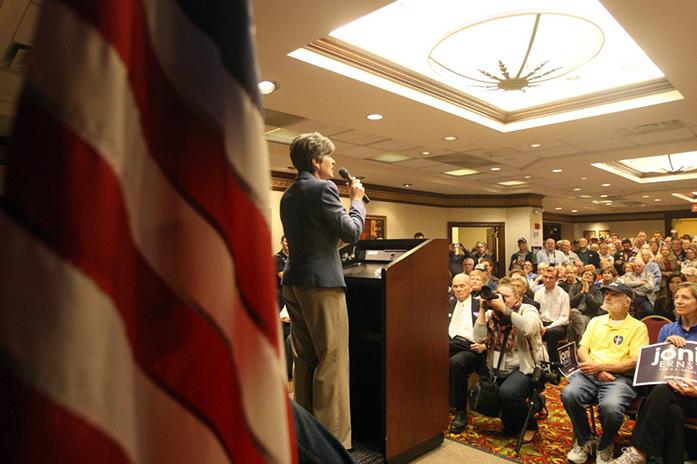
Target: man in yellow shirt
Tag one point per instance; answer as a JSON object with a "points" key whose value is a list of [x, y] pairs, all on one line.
{"points": [[607, 356]]}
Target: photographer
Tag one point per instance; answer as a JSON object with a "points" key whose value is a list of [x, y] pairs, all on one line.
{"points": [[522, 322]]}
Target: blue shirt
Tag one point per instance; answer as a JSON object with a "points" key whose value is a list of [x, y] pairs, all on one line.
{"points": [[675, 328]]}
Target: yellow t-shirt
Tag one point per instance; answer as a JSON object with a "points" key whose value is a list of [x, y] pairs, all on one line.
{"points": [[611, 343]]}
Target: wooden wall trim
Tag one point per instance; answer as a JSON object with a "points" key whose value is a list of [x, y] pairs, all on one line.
{"points": [[280, 181], [618, 217]]}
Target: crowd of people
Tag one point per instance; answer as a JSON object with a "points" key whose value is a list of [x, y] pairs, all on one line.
{"points": [[590, 292]]}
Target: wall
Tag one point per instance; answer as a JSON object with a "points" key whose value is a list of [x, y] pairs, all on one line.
{"points": [[685, 226], [623, 228], [403, 220]]}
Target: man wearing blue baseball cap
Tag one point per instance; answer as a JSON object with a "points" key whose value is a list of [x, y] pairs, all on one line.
{"points": [[607, 356]]}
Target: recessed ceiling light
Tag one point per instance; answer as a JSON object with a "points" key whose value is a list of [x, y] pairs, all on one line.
{"points": [[584, 196], [374, 116], [527, 177], [603, 196], [645, 196], [558, 209], [556, 170], [577, 189], [425, 153], [535, 145], [605, 185], [657, 199], [267, 87], [584, 178], [495, 169], [407, 185], [512, 183], [449, 138], [574, 211], [461, 172]]}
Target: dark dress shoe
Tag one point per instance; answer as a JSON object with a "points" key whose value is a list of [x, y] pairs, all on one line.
{"points": [[459, 423]]}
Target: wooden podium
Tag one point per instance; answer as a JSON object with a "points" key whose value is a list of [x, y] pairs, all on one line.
{"points": [[398, 321]]}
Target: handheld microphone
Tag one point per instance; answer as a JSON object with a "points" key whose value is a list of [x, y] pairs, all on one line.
{"points": [[343, 172]]}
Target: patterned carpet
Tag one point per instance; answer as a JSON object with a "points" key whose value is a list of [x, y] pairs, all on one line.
{"points": [[553, 440]]}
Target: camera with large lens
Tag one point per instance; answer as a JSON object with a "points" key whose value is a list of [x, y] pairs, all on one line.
{"points": [[544, 375], [487, 293]]}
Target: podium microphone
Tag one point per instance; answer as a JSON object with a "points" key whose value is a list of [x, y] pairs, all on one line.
{"points": [[343, 172]]}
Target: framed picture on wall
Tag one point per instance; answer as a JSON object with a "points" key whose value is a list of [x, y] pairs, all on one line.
{"points": [[589, 234], [603, 233], [375, 227]]}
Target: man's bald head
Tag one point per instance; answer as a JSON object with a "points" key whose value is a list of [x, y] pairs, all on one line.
{"points": [[462, 287]]}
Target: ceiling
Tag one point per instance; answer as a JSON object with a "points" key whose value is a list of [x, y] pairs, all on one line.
{"points": [[312, 98]]}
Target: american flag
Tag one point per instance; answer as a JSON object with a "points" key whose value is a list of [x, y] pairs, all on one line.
{"points": [[137, 301]]}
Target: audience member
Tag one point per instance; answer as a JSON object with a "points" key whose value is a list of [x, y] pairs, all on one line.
{"points": [[659, 430], [419, 235], [639, 241], [529, 268], [604, 253], [665, 306], [667, 262], [520, 284], [478, 279], [488, 266], [690, 274], [690, 256], [609, 275], [643, 283], [456, 255], [554, 312], [480, 252], [654, 246], [523, 254], [466, 356], [565, 247], [280, 259], [468, 265], [676, 246], [623, 256], [569, 279], [550, 255], [587, 255], [607, 356], [585, 299], [522, 324]]}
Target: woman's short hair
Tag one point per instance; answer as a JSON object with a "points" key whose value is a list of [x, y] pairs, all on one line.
{"points": [[610, 269], [308, 147], [691, 286]]}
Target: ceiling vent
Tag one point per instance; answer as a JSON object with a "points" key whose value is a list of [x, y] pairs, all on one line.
{"points": [[651, 128], [280, 119], [462, 160]]}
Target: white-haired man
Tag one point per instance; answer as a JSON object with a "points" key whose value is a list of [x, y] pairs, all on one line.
{"points": [[466, 356]]}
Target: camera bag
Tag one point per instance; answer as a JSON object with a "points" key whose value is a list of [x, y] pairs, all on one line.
{"points": [[484, 396]]}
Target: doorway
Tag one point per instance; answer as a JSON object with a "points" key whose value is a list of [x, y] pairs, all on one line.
{"points": [[493, 233], [685, 226]]}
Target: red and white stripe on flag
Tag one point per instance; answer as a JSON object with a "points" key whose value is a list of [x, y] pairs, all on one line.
{"points": [[137, 308]]}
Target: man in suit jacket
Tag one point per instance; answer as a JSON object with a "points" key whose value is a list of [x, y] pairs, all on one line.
{"points": [[313, 281], [466, 356]]}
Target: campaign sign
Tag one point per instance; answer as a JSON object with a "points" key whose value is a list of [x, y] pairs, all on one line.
{"points": [[661, 362], [567, 358]]}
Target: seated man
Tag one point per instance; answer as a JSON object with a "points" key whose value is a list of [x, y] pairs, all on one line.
{"points": [[554, 311], [466, 356], [607, 356]]}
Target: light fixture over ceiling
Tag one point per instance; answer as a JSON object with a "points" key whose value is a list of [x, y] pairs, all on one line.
{"points": [[650, 169], [267, 87], [536, 62]]}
